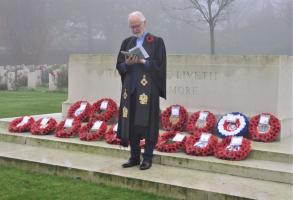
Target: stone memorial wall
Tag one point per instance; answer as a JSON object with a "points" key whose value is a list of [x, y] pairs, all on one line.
{"points": [[220, 84]]}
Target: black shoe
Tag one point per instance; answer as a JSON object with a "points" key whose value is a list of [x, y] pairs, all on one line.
{"points": [[146, 164], [131, 163]]}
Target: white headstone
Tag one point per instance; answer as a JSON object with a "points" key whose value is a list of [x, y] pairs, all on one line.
{"points": [[11, 85], [53, 81], [34, 79]]}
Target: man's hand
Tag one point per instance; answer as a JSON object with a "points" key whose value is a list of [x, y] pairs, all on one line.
{"points": [[130, 60]]}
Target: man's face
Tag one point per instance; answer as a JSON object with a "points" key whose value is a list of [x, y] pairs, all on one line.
{"points": [[136, 25]]}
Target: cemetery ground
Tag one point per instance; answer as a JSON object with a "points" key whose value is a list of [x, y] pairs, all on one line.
{"points": [[20, 184]]}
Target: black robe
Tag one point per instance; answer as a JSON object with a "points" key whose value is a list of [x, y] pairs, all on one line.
{"points": [[156, 74]]}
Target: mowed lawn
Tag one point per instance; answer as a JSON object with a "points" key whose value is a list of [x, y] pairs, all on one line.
{"points": [[28, 102], [19, 184]]}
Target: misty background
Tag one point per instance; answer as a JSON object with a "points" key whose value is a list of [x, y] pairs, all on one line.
{"points": [[48, 31]]}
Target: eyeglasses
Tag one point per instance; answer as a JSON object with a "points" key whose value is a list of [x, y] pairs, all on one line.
{"points": [[136, 26]]}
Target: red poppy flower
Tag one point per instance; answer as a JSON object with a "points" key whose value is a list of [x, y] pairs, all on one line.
{"points": [[150, 39]]}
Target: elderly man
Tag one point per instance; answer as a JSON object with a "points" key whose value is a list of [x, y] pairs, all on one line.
{"points": [[143, 82]]}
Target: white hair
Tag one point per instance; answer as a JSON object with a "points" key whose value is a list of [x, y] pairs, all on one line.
{"points": [[137, 13]]}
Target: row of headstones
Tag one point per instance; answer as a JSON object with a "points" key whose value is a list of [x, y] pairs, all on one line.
{"points": [[10, 74]]}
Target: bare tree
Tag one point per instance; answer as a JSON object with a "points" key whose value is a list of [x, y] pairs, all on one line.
{"points": [[209, 12]]}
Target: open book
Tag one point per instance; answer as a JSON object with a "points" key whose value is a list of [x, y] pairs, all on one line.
{"points": [[138, 51]]}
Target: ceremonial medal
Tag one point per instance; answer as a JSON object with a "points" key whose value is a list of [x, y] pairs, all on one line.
{"points": [[143, 99], [125, 112], [143, 81]]}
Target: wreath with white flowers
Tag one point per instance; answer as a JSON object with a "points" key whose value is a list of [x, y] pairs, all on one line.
{"points": [[232, 124], [68, 128], [227, 151], [21, 124], [202, 121], [264, 127], [201, 144], [93, 130], [104, 109], [166, 142], [174, 118], [111, 136], [44, 126], [80, 110]]}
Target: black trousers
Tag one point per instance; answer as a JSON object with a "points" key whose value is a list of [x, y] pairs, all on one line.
{"points": [[136, 133]]}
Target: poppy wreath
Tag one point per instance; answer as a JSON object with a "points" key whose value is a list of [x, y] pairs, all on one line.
{"points": [[191, 149], [223, 153], [165, 143], [86, 134], [63, 132], [271, 134], [177, 126], [208, 126], [226, 128], [104, 115], [84, 116], [111, 136], [38, 129], [17, 126]]}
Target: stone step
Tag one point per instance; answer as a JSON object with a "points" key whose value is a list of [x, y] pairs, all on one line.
{"points": [[250, 168], [169, 181], [278, 151]]}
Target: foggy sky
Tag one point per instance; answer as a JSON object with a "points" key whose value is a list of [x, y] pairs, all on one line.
{"points": [[47, 31]]}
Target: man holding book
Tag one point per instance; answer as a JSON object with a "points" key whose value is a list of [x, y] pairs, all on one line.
{"points": [[141, 64]]}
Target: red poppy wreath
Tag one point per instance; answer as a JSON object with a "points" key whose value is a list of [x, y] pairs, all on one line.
{"points": [[233, 148], [174, 118], [201, 144], [111, 135], [92, 131], [68, 128], [167, 143], [44, 126], [104, 109], [21, 124], [80, 110], [202, 121], [264, 127]]}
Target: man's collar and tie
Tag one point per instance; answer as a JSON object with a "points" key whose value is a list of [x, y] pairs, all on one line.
{"points": [[139, 40]]}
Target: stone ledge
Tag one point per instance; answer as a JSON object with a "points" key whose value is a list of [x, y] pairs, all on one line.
{"points": [[251, 167], [168, 181]]}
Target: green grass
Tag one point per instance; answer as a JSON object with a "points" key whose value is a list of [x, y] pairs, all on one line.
{"points": [[18, 184], [30, 102]]}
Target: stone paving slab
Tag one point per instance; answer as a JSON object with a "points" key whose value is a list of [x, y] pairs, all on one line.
{"points": [[169, 181]]}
